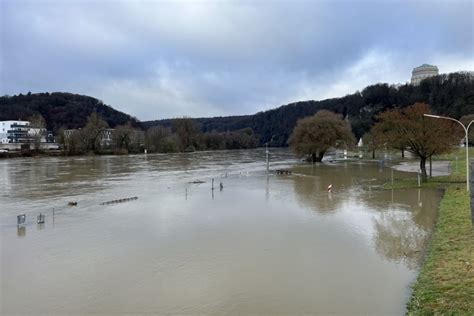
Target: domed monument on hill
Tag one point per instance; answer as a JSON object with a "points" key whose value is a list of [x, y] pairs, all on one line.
{"points": [[422, 72]]}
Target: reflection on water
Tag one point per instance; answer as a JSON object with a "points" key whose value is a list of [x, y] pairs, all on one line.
{"points": [[402, 223], [261, 244], [21, 231]]}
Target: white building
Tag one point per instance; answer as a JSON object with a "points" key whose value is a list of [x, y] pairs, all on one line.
{"points": [[422, 72], [21, 132], [13, 130]]}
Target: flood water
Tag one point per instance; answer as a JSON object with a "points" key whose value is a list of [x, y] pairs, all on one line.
{"points": [[261, 245]]}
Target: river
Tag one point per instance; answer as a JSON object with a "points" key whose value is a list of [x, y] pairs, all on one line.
{"points": [[264, 244]]}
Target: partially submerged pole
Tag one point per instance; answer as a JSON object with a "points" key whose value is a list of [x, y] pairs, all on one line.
{"points": [[268, 160], [431, 168], [20, 219]]}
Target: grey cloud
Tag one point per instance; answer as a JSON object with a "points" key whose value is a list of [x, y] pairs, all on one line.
{"points": [[162, 59]]}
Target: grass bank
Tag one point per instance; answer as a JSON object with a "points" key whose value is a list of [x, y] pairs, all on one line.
{"points": [[445, 284]]}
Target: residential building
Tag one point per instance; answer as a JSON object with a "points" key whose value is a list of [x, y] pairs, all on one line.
{"points": [[21, 132], [106, 137], [14, 131]]}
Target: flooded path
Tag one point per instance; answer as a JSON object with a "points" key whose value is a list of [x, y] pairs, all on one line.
{"points": [[261, 245]]}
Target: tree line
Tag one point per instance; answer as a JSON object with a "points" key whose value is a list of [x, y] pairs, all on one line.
{"points": [[184, 136]]}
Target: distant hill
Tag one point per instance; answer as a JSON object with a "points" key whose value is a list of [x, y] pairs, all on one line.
{"points": [[448, 94], [61, 109]]}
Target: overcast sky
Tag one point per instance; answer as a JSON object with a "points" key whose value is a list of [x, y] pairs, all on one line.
{"points": [[155, 59]]}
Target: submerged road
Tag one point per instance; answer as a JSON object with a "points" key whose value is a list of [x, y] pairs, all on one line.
{"points": [[439, 168]]}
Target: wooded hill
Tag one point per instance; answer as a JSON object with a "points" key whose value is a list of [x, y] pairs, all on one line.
{"points": [[449, 94], [60, 109]]}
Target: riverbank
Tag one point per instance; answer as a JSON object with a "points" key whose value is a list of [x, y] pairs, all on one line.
{"points": [[30, 153], [446, 280]]}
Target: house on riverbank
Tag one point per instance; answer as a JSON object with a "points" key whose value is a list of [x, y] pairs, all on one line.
{"points": [[18, 134]]}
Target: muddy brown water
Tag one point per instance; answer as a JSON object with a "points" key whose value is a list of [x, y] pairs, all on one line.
{"points": [[262, 245]]}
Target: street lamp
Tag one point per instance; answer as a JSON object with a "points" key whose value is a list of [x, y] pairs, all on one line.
{"points": [[466, 129]]}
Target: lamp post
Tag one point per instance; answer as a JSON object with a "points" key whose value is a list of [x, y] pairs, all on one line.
{"points": [[466, 129]]}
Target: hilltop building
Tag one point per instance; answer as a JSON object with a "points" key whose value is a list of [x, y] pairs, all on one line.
{"points": [[422, 72]]}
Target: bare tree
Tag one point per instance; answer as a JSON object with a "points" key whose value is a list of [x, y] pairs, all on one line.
{"points": [[126, 138], [155, 137], [187, 133], [422, 137], [372, 141], [37, 129], [92, 132]]}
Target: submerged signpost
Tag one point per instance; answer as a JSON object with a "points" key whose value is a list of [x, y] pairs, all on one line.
{"points": [[20, 219]]}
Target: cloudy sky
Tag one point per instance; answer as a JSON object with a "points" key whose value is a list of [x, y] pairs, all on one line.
{"points": [[160, 59]]}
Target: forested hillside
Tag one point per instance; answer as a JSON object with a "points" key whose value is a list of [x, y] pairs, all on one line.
{"points": [[450, 94], [59, 109]]}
